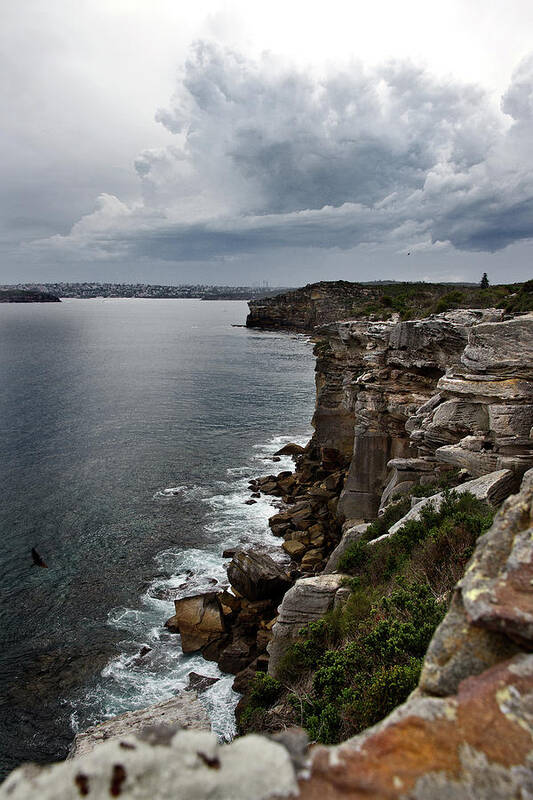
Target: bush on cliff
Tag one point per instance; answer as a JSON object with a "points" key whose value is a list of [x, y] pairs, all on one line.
{"points": [[351, 668]]}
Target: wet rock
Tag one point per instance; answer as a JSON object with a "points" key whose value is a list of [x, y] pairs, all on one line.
{"points": [[182, 711], [257, 576], [290, 449], [199, 683]]}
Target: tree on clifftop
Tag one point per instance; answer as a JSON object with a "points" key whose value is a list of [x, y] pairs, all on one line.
{"points": [[484, 283]]}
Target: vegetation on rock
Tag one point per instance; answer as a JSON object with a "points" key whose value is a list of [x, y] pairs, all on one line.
{"points": [[351, 668]]}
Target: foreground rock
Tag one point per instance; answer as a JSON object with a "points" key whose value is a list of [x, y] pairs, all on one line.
{"points": [[183, 711], [477, 744], [189, 765], [497, 589]]}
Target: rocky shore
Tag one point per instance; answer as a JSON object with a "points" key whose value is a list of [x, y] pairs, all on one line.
{"points": [[402, 407]]}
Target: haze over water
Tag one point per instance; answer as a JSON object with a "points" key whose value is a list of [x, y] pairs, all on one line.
{"points": [[129, 430]]}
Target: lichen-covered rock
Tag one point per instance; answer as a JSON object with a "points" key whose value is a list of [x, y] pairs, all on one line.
{"points": [[182, 711], [257, 576], [189, 765], [476, 744], [308, 600], [497, 588], [459, 650]]}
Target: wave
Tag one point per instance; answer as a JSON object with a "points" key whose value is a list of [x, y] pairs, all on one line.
{"points": [[132, 680]]}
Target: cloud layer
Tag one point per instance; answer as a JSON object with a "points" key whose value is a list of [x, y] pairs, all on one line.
{"points": [[266, 156]]}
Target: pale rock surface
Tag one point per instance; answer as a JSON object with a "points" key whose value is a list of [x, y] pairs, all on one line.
{"points": [[351, 535], [190, 765], [184, 711], [308, 600]]}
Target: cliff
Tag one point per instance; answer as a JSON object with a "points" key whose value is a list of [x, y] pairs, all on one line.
{"points": [[402, 628], [330, 301], [27, 296], [470, 736]]}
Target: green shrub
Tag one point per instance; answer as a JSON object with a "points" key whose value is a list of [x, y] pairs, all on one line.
{"points": [[351, 668], [394, 512]]}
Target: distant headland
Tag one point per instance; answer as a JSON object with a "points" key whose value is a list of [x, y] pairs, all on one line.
{"points": [[13, 295]]}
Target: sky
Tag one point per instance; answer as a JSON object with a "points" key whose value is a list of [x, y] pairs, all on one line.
{"points": [[234, 143]]}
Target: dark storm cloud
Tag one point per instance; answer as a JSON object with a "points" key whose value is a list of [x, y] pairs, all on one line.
{"points": [[269, 157]]}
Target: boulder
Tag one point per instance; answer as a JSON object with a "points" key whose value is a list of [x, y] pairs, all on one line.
{"points": [[294, 548], [308, 600], [312, 558], [497, 588], [184, 711], [237, 655], [351, 535], [200, 683], [290, 449], [257, 576], [198, 619]]}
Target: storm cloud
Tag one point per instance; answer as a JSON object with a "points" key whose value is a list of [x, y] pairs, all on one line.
{"points": [[266, 156]]}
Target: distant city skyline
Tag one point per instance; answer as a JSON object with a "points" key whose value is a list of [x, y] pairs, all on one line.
{"points": [[243, 143]]}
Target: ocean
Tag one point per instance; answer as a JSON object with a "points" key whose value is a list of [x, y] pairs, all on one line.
{"points": [[129, 431]]}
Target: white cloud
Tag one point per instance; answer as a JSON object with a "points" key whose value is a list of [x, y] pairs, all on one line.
{"points": [[266, 156]]}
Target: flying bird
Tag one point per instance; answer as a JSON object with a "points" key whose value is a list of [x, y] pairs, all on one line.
{"points": [[37, 559]]}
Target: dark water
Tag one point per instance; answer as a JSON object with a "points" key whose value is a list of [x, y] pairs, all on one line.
{"points": [[105, 406]]}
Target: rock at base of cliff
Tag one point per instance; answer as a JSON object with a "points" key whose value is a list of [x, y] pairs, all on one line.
{"points": [[182, 711], [351, 535], [198, 619], [256, 576]]}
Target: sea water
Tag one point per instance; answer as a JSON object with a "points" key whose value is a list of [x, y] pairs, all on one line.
{"points": [[129, 432]]}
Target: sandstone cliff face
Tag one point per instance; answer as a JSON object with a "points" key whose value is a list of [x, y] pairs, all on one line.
{"points": [[303, 309], [419, 397]]}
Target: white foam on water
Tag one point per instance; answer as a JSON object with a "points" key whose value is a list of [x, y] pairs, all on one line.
{"points": [[172, 491], [130, 681]]}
